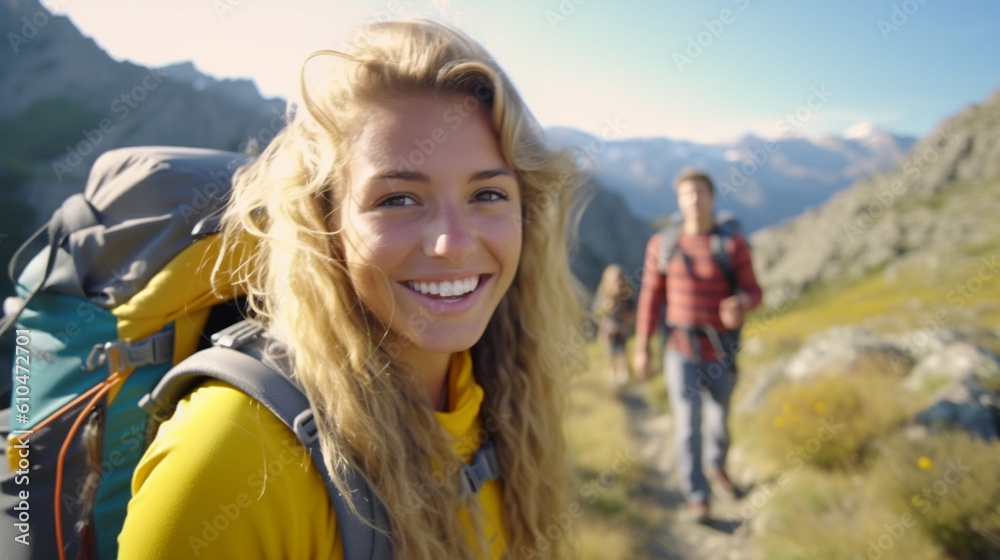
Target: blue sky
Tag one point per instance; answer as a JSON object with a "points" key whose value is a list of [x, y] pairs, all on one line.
{"points": [[705, 71]]}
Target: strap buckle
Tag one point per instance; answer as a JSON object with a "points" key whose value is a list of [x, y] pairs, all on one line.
{"points": [[471, 485], [121, 356], [305, 428], [484, 468], [108, 353], [237, 335]]}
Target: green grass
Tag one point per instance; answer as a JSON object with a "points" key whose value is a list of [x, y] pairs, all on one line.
{"points": [[613, 523], [907, 299]]}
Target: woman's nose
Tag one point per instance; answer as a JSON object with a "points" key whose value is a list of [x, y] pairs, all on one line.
{"points": [[451, 234]]}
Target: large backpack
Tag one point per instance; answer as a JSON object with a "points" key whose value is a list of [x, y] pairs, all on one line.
{"points": [[114, 300], [726, 226]]}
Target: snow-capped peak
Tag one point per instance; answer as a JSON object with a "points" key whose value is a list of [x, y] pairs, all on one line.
{"points": [[860, 131]]}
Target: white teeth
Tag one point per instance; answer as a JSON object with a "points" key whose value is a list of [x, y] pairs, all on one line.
{"points": [[446, 289]]}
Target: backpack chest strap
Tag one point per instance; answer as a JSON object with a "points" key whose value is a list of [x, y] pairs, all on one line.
{"points": [[484, 467]]}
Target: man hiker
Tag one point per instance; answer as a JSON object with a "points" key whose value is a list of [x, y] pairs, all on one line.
{"points": [[700, 267]]}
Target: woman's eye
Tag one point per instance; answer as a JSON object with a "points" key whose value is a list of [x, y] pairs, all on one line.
{"points": [[490, 195], [397, 200]]}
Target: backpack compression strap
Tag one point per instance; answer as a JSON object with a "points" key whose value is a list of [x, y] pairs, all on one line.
{"points": [[76, 213]]}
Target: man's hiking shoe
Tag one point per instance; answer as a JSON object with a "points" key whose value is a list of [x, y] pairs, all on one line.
{"points": [[696, 512], [726, 484]]}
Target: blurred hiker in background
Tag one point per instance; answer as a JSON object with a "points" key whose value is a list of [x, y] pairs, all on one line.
{"points": [[613, 313], [390, 252], [699, 267]]}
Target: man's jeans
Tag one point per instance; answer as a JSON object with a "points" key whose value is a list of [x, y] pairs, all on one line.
{"points": [[699, 393]]}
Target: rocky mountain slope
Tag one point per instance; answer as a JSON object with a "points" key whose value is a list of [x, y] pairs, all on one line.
{"points": [[609, 233], [898, 216], [64, 101]]}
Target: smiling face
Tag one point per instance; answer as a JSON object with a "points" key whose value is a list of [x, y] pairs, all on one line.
{"points": [[430, 223]]}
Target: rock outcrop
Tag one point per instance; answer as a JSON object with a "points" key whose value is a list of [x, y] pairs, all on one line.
{"points": [[897, 216]]}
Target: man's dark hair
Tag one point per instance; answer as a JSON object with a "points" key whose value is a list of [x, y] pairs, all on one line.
{"points": [[694, 173]]}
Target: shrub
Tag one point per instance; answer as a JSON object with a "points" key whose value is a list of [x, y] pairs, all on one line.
{"points": [[827, 421], [950, 484]]}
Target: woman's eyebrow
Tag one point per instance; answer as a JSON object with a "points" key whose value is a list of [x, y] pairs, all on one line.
{"points": [[403, 175], [490, 173], [417, 176]]}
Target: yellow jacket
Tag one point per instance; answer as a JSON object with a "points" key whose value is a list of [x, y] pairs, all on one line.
{"points": [[224, 478]]}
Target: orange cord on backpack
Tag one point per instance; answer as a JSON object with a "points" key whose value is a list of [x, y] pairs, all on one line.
{"points": [[98, 391]]}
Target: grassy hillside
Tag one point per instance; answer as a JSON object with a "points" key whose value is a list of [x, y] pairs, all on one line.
{"points": [[838, 499], [938, 286]]}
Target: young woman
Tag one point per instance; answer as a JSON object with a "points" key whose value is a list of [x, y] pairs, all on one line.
{"points": [[613, 313], [408, 235]]}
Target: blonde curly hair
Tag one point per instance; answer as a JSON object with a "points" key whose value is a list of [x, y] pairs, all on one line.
{"points": [[369, 418]]}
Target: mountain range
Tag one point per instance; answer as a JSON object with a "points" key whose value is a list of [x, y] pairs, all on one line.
{"points": [[63, 101], [764, 181]]}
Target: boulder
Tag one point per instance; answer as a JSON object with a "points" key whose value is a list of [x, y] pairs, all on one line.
{"points": [[839, 349], [957, 361], [966, 405]]}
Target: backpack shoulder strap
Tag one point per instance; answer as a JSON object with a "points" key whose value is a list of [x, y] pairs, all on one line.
{"points": [[365, 536], [726, 227], [668, 244]]}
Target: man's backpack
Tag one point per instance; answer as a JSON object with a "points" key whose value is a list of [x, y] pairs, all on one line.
{"points": [[727, 225], [113, 294]]}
